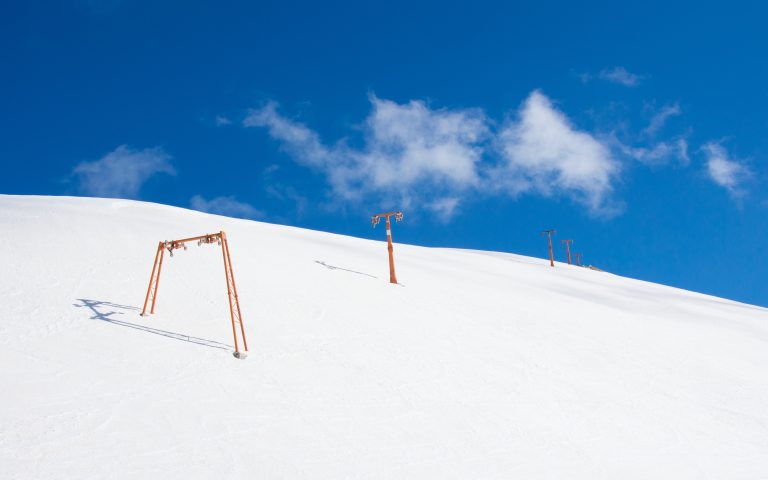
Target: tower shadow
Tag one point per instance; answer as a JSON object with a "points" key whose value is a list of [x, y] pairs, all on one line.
{"points": [[99, 310], [334, 267]]}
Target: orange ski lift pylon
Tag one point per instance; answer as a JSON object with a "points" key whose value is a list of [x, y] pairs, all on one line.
{"points": [[375, 221], [567, 244], [234, 304], [549, 234]]}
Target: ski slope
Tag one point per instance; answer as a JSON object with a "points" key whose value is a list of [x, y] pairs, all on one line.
{"points": [[483, 365]]}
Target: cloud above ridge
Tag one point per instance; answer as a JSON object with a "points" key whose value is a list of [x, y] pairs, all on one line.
{"points": [[545, 153], [122, 172], [227, 206], [724, 170], [437, 158], [411, 153]]}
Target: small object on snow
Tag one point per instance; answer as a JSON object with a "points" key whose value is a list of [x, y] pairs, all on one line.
{"points": [[240, 355]]}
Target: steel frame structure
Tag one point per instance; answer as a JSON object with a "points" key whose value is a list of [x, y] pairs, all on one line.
{"points": [[549, 240], [234, 303], [375, 221], [567, 248]]}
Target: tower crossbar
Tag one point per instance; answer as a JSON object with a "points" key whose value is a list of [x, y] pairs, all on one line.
{"points": [[220, 238]]}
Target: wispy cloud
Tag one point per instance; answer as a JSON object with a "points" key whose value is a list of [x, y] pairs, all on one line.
{"points": [[444, 208], [221, 120], [544, 152], [644, 145], [618, 75], [227, 206], [288, 194], [122, 172], [302, 143], [658, 154], [434, 159], [724, 170], [659, 119]]}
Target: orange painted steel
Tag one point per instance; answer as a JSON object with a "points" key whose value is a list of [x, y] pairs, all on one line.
{"points": [[549, 239], [375, 221], [229, 275], [157, 281], [567, 248], [234, 302], [153, 281]]}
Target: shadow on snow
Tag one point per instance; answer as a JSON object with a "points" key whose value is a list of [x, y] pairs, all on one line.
{"points": [[99, 310], [333, 267]]}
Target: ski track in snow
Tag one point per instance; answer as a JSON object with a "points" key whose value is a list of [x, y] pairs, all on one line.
{"points": [[486, 365]]}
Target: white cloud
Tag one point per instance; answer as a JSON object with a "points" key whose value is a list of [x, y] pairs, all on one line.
{"points": [[414, 156], [122, 172], [724, 171], [618, 75], [543, 152], [221, 121], [226, 206], [444, 208], [412, 153], [411, 143], [644, 147], [296, 139], [682, 151], [660, 118], [660, 153]]}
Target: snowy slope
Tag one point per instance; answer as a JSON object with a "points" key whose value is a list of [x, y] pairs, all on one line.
{"points": [[484, 365]]}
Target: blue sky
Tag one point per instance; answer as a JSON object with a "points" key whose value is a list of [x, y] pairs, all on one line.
{"points": [[639, 131]]}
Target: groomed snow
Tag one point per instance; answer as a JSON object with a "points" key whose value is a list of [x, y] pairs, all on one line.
{"points": [[483, 365]]}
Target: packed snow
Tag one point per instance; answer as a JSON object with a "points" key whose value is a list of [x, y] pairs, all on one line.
{"points": [[481, 365]]}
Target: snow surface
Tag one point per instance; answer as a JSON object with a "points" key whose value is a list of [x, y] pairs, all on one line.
{"points": [[483, 365]]}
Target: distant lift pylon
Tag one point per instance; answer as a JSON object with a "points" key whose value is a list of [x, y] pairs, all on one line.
{"points": [[234, 303]]}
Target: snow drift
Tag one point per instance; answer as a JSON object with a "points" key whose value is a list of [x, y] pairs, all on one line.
{"points": [[484, 365]]}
